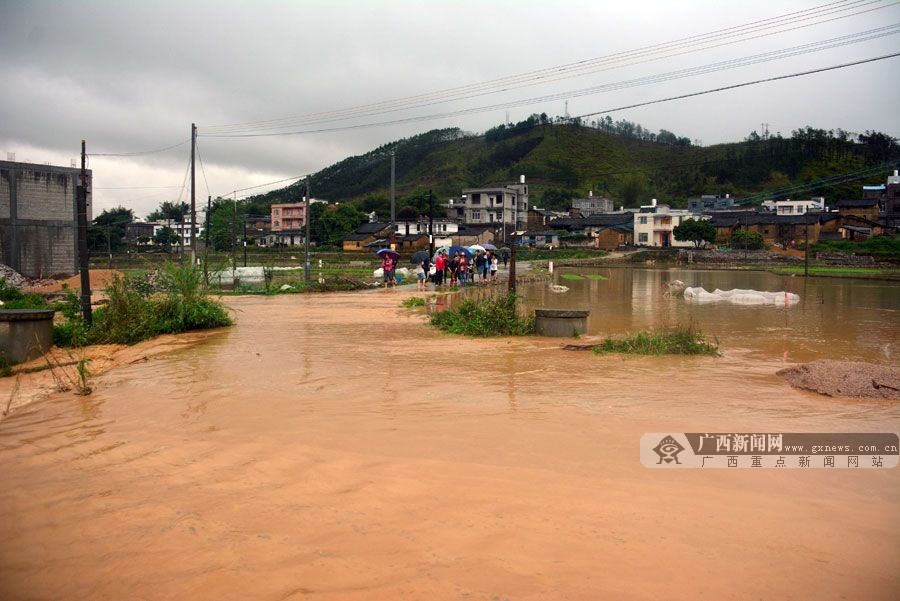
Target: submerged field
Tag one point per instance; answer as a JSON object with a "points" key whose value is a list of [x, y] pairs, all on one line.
{"points": [[335, 446]]}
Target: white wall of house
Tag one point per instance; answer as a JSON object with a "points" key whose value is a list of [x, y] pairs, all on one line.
{"points": [[494, 205], [441, 227], [655, 226], [798, 207]]}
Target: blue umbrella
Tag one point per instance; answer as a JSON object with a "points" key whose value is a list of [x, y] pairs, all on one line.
{"points": [[387, 251], [460, 249], [488, 246], [438, 251]]}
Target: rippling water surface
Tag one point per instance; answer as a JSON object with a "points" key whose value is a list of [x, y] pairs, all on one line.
{"points": [[334, 447]]}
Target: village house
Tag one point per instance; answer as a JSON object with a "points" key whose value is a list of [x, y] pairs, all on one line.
{"points": [[862, 208], [502, 205], [795, 207], [366, 234], [538, 239], [654, 225], [592, 205], [710, 202], [606, 231], [538, 218], [783, 230]]}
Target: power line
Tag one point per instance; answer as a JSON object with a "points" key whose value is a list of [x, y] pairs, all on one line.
{"points": [[745, 84], [139, 153], [559, 72], [469, 111], [651, 79], [202, 170]]}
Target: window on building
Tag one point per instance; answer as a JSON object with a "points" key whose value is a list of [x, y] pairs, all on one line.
{"points": [[276, 211], [277, 223], [642, 237], [665, 221], [643, 221], [476, 199], [476, 215]]}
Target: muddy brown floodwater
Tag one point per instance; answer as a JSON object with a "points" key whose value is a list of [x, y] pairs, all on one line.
{"points": [[334, 447]]}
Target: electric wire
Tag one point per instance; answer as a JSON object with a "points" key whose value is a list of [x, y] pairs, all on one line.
{"points": [[138, 153], [647, 80], [604, 111], [541, 76]]}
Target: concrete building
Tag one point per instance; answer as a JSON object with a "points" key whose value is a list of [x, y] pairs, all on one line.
{"points": [[592, 205], [38, 218], [710, 202], [606, 230], [442, 227], [799, 207], [500, 205], [654, 224], [289, 216]]}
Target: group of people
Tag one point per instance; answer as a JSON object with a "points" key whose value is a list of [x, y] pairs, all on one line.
{"points": [[459, 269]]}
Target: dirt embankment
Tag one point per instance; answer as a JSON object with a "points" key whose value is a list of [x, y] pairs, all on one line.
{"points": [[100, 279], [58, 370], [846, 379]]}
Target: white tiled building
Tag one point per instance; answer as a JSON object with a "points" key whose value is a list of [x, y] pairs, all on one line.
{"points": [[654, 223]]}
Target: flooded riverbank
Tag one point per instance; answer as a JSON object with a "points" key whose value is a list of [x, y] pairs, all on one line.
{"points": [[334, 447]]}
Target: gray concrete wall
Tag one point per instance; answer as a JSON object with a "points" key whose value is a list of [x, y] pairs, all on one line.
{"points": [[38, 235]]}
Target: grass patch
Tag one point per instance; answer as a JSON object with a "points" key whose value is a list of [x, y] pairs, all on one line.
{"points": [[491, 316], [413, 302], [571, 276], [12, 298], [557, 254], [596, 277], [833, 270], [684, 340], [884, 247]]}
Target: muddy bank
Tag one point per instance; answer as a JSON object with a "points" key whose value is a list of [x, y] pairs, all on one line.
{"points": [[57, 371], [851, 379]]}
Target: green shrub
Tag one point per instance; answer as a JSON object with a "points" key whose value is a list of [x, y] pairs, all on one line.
{"points": [[684, 340], [12, 298], [133, 313], [746, 239], [492, 316]]}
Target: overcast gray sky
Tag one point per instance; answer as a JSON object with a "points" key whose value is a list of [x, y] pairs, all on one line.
{"points": [[132, 76]]}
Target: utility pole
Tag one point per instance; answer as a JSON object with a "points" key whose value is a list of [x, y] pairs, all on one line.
{"points": [[193, 195], [307, 276], [82, 240], [392, 189], [430, 225], [233, 231], [206, 246], [806, 246]]}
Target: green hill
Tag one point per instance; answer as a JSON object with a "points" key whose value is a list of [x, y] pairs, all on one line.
{"points": [[562, 160]]}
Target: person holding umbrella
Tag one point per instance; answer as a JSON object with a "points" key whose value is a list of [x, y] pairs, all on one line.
{"points": [[423, 263], [388, 263]]}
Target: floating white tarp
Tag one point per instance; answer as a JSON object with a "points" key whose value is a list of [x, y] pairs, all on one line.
{"points": [[741, 297]]}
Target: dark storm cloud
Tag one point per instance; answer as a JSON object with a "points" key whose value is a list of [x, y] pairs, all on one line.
{"points": [[130, 76]]}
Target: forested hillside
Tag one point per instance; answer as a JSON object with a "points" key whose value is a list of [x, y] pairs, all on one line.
{"points": [[563, 159]]}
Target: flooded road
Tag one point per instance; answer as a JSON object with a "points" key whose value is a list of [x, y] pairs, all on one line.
{"points": [[333, 447]]}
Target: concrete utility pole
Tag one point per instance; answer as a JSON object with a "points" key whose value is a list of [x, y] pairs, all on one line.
{"points": [[393, 217], [82, 240], [193, 195], [206, 245], [308, 268], [806, 246], [430, 225]]}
